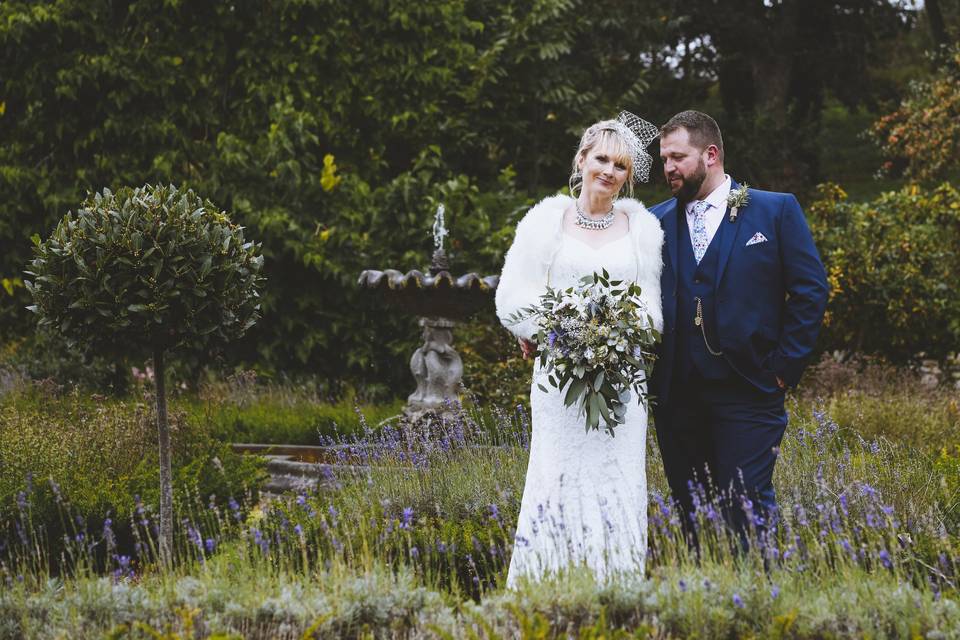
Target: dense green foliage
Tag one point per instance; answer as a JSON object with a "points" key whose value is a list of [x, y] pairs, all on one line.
{"points": [[921, 138], [892, 265], [332, 130], [146, 269], [332, 151]]}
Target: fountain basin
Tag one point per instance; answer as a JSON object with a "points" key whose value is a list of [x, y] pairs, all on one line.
{"points": [[434, 295]]}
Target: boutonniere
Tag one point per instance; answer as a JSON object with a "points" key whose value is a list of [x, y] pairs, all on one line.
{"points": [[738, 199]]}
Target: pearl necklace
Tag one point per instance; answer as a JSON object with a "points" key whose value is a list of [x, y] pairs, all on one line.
{"points": [[593, 224]]}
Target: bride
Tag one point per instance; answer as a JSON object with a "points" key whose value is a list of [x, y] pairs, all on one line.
{"points": [[585, 496]]}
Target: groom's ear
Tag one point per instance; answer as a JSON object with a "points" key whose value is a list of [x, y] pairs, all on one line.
{"points": [[713, 155]]}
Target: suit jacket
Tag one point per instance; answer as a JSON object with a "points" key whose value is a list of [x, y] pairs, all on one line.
{"points": [[771, 291]]}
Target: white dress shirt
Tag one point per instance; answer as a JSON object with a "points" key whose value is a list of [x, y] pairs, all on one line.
{"points": [[715, 212]]}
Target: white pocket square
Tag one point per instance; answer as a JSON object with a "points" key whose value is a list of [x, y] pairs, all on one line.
{"points": [[756, 239]]}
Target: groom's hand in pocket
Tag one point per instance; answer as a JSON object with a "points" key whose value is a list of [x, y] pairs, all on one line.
{"points": [[527, 348]]}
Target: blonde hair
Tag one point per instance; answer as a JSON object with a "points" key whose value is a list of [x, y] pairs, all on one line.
{"points": [[602, 134]]}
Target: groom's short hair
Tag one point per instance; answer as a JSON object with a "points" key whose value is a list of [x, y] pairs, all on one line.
{"points": [[702, 129]]}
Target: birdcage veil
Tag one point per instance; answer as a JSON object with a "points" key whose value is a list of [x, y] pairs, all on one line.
{"points": [[638, 134], [635, 133]]}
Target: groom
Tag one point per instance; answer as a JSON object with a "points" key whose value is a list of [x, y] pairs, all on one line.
{"points": [[744, 293]]}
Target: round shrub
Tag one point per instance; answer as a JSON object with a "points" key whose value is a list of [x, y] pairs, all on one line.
{"points": [[145, 269]]}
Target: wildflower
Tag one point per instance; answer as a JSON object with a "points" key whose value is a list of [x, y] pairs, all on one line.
{"points": [[298, 529], [406, 518], [414, 553], [210, 545], [56, 491], [885, 559], [738, 601], [682, 585], [494, 512], [774, 592], [301, 500]]}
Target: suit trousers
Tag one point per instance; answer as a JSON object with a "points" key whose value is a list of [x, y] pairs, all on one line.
{"points": [[719, 440]]}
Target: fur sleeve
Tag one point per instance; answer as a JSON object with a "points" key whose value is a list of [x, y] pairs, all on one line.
{"points": [[524, 276], [521, 281], [649, 247]]}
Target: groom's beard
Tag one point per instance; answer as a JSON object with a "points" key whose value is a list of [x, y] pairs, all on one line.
{"points": [[690, 185]]}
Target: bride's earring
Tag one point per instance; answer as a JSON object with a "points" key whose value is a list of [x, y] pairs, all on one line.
{"points": [[574, 183]]}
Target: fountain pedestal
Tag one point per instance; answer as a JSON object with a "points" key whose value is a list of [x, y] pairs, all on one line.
{"points": [[437, 368]]}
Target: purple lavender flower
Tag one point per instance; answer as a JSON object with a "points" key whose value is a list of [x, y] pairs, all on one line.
{"points": [[682, 585], [494, 512], [406, 518], [210, 544], [56, 491], [298, 529], [738, 601], [774, 592], [885, 559]]}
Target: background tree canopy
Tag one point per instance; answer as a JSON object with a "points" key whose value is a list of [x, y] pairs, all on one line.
{"points": [[332, 130]]}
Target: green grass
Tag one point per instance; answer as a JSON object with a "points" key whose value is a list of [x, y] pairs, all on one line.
{"points": [[276, 418]]}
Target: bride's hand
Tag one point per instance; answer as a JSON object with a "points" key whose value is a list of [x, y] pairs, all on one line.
{"points": [[527, 348]]}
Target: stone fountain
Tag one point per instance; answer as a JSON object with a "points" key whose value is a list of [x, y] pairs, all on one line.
{"points": [[440, 300]]}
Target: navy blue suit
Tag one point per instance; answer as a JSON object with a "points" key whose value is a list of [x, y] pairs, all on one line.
{"points": [[719, 410]]}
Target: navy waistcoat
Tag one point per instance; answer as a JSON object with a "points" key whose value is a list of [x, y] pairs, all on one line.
{"points": [[697, 281]]}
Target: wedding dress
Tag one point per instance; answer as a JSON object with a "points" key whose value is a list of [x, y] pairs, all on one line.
{"points": [[585, 497]]}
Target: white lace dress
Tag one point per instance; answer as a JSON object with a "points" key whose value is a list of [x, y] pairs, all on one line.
{"points": [[585, 497]]}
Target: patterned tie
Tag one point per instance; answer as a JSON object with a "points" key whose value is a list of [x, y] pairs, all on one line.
{"points": [[700, 240]]}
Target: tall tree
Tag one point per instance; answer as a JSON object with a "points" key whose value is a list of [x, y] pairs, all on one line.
{"points": [[776, 61]]}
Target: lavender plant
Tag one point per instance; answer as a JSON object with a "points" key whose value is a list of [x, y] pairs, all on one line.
{"points": [[411, 536]]}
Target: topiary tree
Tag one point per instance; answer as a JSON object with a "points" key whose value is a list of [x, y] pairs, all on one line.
{"points": [[143, 272]]}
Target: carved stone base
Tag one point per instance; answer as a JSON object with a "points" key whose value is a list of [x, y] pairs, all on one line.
{"points": [[436, 367]]}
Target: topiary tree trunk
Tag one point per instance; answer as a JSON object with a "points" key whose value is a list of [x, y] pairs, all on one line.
{"points": [[166, 468]]}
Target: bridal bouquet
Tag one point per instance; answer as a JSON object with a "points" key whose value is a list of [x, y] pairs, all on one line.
{"points": [[597, 338]]}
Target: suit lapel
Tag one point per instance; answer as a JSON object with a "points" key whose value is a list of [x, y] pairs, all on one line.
{"points": [[729, 231], [670, 234]]}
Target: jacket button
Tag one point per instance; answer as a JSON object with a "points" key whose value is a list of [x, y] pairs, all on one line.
{"points": [[697, 280]]}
